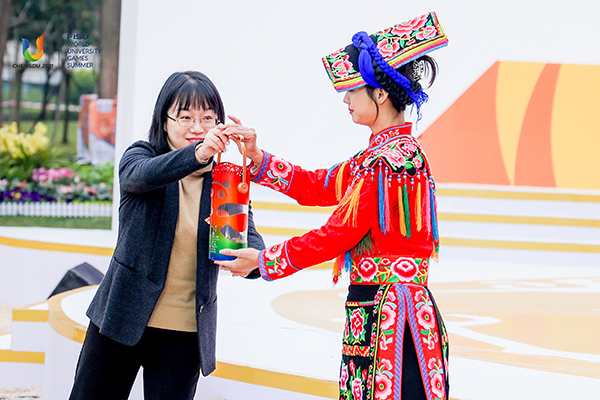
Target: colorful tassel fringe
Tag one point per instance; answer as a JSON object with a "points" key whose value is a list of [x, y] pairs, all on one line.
{"points": [[350, 204], [344, 261], [434, 225], [419, 207], [406, 207], [401, 215], [339, 180]]}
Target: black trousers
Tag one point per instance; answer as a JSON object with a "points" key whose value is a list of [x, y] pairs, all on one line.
{"points": [[107, 369]]}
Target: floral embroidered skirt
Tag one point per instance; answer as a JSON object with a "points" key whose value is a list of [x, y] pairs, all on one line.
{"points": [[377, 351]]}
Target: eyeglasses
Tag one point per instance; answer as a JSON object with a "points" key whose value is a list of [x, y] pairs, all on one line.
{"points": [[185, 121]]}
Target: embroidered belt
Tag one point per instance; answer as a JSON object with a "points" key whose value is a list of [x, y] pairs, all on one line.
{"points": [[389, 269]]}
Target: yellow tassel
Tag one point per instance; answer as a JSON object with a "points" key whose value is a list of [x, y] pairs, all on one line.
{"points": [[350, 203], [419, 208], [339, 180], [337, 269], [401, 211]]}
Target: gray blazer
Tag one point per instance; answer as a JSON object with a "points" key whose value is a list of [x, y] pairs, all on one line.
{"points": [[137, 272]]}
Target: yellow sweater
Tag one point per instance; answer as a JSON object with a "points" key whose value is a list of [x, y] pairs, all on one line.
{"points": [[176, 307]]}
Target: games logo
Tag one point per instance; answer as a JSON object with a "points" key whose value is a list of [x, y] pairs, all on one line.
{"points": [[40, 46]]}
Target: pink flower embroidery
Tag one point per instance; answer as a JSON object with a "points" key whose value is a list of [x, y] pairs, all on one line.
{"points": [[430, 343], [388, 317], [273, 252], [402, 30], [367, 269], [357, 390], [346, 330], [426, 318], [344, 377], [280, 266], [388, 49], [396, 158], [427, 32], [409, 147], [391, 296], [437, 385], [387, 365], [383, 386], [385, 262], [280, 167], [417, 161], [382, 342], [342, 66], [433, 363], [405, 269], [357, 322], [337, 53], [419, 296], [418, 22]]}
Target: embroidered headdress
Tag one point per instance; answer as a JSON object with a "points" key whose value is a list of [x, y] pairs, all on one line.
{"points": [[352, 66]]}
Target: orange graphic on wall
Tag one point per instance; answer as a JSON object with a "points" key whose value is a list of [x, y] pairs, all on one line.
{"points": [[524, 124]]}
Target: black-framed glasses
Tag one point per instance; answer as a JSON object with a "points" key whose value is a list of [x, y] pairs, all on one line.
{"points": [[185, 121]]}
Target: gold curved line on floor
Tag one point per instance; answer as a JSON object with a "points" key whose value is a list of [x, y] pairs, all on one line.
{"points": [[462, 217], [262, 205], [60, 322], [523, 220], [506, 244], [67, 248], [494, 244], [277, 380], [499, 194], [29, 357], [24, 315]]}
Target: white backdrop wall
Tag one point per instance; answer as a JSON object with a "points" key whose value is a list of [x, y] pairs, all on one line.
{"points": [[264, 56]]}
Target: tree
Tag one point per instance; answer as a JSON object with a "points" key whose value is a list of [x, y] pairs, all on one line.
{"points": [[5, 13], [110, 22]]}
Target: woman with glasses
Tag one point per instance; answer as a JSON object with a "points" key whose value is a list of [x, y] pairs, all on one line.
{"points": [[383, 231], [156, 308]]}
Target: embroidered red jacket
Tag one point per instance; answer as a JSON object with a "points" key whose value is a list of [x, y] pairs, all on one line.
{"points": [[385, 198]]}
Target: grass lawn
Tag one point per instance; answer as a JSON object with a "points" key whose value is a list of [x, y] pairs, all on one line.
{"points": [[56, 222]]}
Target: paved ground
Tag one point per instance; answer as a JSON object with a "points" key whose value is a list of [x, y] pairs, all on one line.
{"points": [[34, 392], [5, 317]]}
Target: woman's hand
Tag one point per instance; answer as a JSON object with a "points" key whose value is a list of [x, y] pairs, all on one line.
{"points": [[214, 142], [236, 131], [246, 261]]}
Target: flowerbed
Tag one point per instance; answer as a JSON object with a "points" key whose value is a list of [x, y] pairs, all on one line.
{"points": [[26, 176], [60, 185]]}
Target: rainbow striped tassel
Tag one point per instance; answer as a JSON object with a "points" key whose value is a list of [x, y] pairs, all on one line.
{"points": [[427, 208], [406, 210], [337, 270], [344, 260], [386, 194], [401, 212], [348, 261], [384, 207], [418, 207], [381, 202], [434, 222]]}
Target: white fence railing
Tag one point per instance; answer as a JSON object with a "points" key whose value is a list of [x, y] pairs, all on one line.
{"points": [[46, 209]]}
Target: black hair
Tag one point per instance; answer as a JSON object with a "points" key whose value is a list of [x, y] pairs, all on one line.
{"points": [[398, 96], [186, 90]]}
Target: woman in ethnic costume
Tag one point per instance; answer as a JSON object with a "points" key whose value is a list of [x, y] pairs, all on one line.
{"points": [[384, 228]]}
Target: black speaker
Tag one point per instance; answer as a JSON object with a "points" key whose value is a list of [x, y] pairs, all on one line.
{"points": [[79, 276]]}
